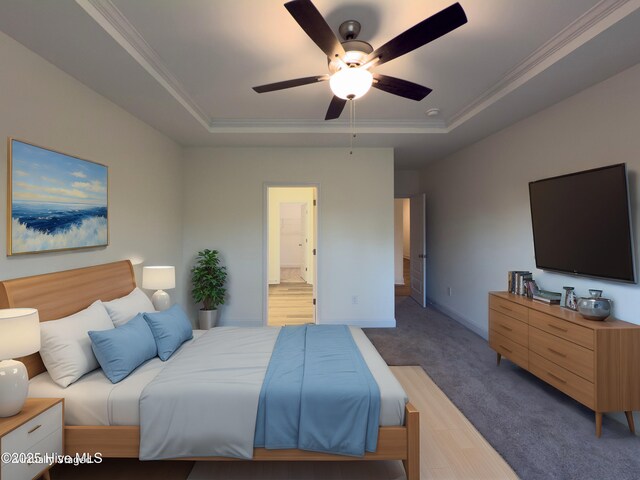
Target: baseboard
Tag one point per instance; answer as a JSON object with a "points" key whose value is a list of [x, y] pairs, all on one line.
{"points": [[460, 319], [363, 323]]}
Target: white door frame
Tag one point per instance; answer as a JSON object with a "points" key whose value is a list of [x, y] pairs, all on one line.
{"points": [[265, 245]]}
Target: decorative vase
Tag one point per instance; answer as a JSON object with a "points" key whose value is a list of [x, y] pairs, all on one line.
{"points": [[570, 299], [594, 307], [207, 319]]}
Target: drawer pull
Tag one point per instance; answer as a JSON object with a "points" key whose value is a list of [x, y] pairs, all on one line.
{"points": [[506, 308], [34, 429], [557, 352], [505, 348], [558, 328], [556, 377], [506, 328]]}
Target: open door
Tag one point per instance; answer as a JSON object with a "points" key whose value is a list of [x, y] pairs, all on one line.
{"points": [[418, 247], [314, 252]]}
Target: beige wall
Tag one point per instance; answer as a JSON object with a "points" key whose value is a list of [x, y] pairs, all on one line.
{"points": [[225, 208], [406, 227], [479, 222], [41, 104], [398, 240]]}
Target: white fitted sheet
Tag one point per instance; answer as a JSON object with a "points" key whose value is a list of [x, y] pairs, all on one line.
{"points": [[94, 400]]}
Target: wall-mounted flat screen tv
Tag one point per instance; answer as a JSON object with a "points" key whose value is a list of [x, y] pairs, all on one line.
{"points": [[581, 224]]}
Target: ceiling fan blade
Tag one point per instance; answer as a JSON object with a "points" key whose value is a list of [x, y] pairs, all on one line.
{"points": [[313, 23], [402, 88], [296, 82], [424, 32], [335, 108]]}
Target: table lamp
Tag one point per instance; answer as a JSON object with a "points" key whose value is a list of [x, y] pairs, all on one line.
{"points": [[19, 337], [159, 278]]}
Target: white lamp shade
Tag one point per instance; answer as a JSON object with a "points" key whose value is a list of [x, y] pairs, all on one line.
{"points": [[19, 332], [351, 83], [158, 278]]}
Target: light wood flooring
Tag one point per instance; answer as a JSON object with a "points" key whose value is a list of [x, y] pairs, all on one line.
{"points": [[450, 448], [290, 304], [405, 290]]}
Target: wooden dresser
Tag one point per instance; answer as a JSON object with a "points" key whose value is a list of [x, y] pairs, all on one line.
{"points": [[596, 363]]}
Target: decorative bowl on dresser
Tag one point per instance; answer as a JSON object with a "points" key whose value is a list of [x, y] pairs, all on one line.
{"points": [[596, 363]]}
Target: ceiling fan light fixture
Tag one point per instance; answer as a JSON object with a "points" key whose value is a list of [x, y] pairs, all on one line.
{"points": [[351, 83]]}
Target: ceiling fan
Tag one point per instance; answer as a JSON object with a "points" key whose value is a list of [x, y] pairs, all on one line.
{"points": [[350, 61]]}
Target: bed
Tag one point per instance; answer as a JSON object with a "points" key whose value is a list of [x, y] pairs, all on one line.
{"points": [[106, 422]]}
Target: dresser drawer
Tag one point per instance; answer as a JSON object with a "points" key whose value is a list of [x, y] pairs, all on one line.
{"points": [[509, 327], [576, 387], [561, 328], [576, 359], [519, 312], [51, 444], [509, 349], [23, 438]]}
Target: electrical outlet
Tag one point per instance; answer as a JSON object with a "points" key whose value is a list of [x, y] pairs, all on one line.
{"points": [[354, 300], [449, 291]]}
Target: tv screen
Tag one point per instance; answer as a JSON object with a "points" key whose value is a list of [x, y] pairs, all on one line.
{"points": [[581, 224]]}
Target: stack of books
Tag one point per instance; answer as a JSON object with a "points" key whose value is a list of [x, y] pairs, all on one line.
{"points": [[518, 281], [552, 298]]}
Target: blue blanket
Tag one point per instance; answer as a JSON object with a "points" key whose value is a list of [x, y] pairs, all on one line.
{"points": [[318, 394]]}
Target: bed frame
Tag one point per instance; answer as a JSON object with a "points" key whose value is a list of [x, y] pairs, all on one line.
{"points": [[59, 294]]}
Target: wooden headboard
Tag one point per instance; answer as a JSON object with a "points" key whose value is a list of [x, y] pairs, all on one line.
{"points": [[59, 294]]}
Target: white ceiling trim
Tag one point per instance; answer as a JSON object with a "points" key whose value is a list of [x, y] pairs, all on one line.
{"points": [[593, 22], [600, 17], [111, 19]]}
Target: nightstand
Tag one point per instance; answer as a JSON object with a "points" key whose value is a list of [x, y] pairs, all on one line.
{"points": [[37, 429]]}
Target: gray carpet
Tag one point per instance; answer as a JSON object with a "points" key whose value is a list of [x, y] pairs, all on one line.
{"points": [[541, 433]]}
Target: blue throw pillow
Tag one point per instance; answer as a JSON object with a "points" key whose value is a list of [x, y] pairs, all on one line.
{"points": [[122, 349], [171, 328]]}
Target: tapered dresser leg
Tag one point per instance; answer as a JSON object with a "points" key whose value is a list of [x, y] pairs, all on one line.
{"points": [[598, 424], [498, 358], [632, 426]]}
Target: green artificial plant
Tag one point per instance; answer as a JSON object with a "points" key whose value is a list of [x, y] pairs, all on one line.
{"points": [[208, 278]]}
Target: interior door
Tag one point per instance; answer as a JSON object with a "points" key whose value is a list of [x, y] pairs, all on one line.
{"points": [[313, 238], [418, 257], [304, 241]]}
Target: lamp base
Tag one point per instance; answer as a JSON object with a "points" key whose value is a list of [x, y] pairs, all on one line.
{"points": [[161, 300], [14, 386]]}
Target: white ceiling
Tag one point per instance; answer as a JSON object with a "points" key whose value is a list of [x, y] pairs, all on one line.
{"points": [[186, 67]]}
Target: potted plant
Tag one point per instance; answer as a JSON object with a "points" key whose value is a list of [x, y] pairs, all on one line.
{"points": [[208, 278]]}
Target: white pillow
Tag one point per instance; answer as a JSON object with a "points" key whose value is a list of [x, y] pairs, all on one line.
{"points": [[123, 309], [65, 344]]}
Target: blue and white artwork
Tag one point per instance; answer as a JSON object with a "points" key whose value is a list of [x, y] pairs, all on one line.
{"points": [[57, 201]]}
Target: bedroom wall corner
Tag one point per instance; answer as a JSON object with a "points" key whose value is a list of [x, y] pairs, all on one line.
{"points": [[43, 105]]}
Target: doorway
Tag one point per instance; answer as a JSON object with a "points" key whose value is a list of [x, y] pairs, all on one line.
{"points": [[410, 247], [402, 246], [291, 255]]}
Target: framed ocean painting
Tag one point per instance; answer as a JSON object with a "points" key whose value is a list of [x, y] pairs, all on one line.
{"points": [[55, 201]]}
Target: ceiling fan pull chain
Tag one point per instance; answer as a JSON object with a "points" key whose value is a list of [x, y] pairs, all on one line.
{"points": [[352, 113]]}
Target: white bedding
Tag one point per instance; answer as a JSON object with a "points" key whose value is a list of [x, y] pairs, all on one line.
{"points": [[94, 400]]}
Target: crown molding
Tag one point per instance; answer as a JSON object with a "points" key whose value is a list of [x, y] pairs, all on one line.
{"points": [[324, 127], [112, 20], [593, 22], [600, 17]]}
